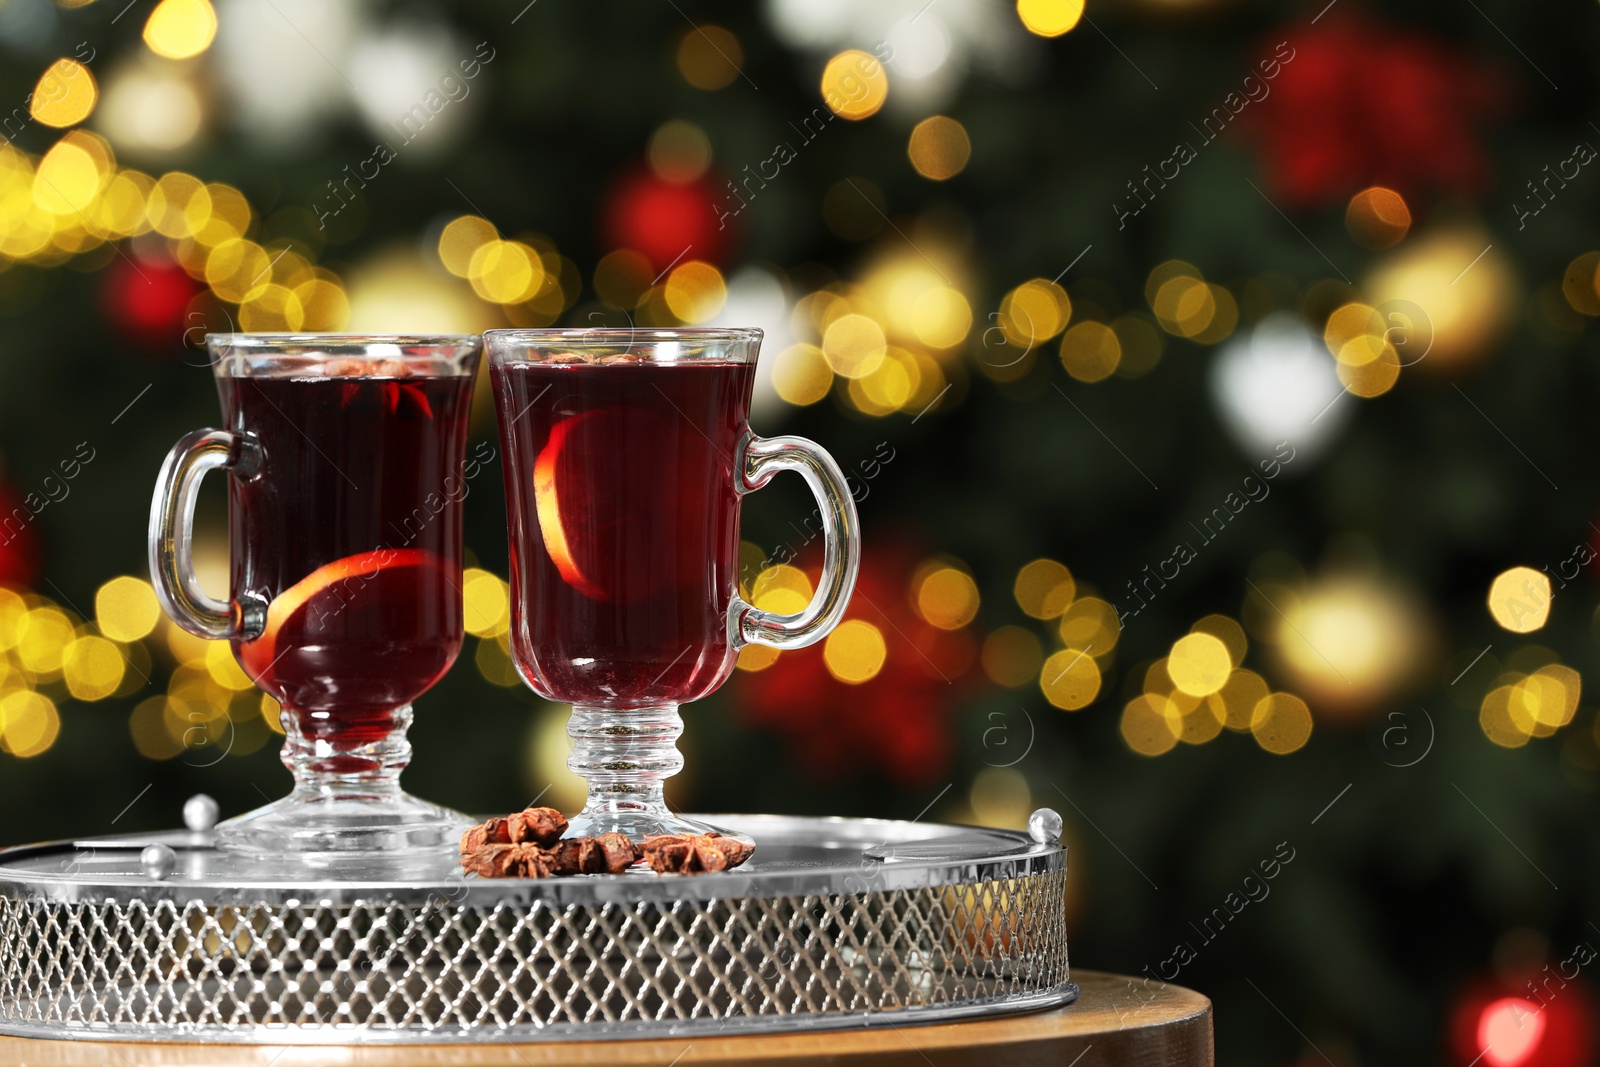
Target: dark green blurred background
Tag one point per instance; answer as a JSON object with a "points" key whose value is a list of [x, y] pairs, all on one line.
{"points": [[1261, 321]]}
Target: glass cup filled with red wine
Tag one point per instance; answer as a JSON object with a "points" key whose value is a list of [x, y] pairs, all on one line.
{"points": [[627, 453], [346, 464]]}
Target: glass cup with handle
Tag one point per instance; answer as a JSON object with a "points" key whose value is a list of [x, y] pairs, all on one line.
{"points": [[627, 454], [345, 457]]}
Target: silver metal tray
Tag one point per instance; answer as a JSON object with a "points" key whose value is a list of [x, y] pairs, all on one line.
{"points": [[833, 923]]}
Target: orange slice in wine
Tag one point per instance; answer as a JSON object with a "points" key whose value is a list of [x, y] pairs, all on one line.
{"points": [[397, 578], [621, 495], [556, 527]]}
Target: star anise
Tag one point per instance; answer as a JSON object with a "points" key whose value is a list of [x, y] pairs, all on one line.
{"points": [[539, 826], [694, 853]]}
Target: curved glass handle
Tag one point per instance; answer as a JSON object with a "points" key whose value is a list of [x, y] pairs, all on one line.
{"points": [[759, 459], [172, 536]]}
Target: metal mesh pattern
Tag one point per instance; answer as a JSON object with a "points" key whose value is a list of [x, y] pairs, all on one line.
{"points": [[392, 971]]}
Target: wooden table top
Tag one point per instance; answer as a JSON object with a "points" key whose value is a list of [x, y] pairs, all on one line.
{"points": [[1117, 1021]]}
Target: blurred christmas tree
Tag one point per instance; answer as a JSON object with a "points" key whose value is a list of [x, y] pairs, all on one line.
{"points": [[1201, 368]]}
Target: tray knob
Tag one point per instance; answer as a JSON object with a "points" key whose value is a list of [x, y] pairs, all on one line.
{"points": [[200, 813], [1044, 826], [158, 861]]}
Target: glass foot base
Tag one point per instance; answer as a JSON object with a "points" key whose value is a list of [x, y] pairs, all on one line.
{"points": [[394, 826], [640, 824]]}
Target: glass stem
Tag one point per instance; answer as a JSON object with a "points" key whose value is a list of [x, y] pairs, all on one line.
{"points": [[346, 754], [625, 755]]}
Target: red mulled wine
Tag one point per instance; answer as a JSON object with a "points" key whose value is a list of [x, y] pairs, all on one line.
{"points": [[624, 525], [352, 535]]}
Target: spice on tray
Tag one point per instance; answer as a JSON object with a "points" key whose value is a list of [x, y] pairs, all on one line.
{"points": [[528, 844], [539, 826], [694, 853]]}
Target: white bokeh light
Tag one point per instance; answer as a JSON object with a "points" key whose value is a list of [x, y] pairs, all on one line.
{"points": [[757, 297], [1279, 383], [284, 87]]}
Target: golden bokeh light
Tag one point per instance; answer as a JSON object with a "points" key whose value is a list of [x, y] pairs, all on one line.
{"points": [[622, 277], [1000, 797], [1139, 344], [1224, 317], [69, 177], [801, 374], [184, 646], [119, 210], [756, 657], [1377, 217], [505, 272], [1044, 588], [1497, 722], [1012, 656], [1090, 623], [1461, 282], [65, 94], [180, 206], [709, 57], [1350, 322], [1237, 699], [1187, 306], [13, 613], [42, 640], [854, 345], [1368, 366], [1149, 725], [1545, 700], [1049, 18], [1200, 723], [855, 651], [695, 291], [148, 728], [781, 589], [460, 239], [323, 304], [1357, 336], [1581, 284], [493, 660], [1034, 312], [1070, 679], [1281, 723], [230, 209], [178, 29], [1090, 351], [1519, 599], [939, 147], [224, 669], [679, 152], [272, 308], [125, 609], [486, 603], [890, 387], [1199, 664], [941, 317], [1226, 630], [92, 668], [28, 723], [1350, 640], [947, 598], [271, 713], [1166, 271], [854, 84]]}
